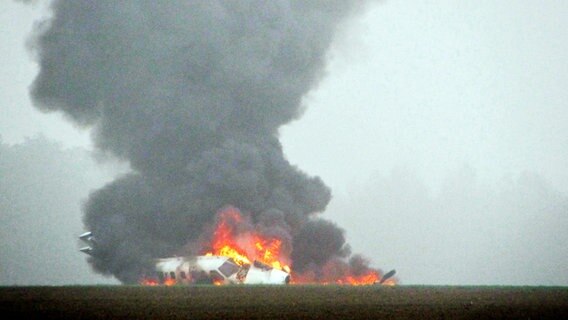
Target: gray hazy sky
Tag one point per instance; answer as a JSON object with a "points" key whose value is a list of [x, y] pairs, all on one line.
{"points": [[441, 128]]}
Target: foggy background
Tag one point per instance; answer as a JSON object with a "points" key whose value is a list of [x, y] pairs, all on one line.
{"points": [[440, 128]]}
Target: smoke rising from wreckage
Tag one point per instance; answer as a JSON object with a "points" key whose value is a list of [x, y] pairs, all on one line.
{"points": [[192, 94], [237, 255]]}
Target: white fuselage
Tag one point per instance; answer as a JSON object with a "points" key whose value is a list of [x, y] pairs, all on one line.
{"points": [[216, 269]]}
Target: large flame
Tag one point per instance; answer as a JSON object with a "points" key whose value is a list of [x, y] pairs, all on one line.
{"points": [[234, 237]]}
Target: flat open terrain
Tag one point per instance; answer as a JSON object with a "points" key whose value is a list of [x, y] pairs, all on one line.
{"points": [[269, 302]]}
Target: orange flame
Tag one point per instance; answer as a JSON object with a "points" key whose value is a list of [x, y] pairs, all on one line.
{"points": [[339, 272], [369, 278], [153, 282], [390, 283], [245, 245], [149, 282]]}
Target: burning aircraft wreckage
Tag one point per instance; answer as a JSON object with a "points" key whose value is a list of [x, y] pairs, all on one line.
{"points": [[192, 95], [228, 263]]}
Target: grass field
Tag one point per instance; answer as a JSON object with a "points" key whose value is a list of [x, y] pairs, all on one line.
{"points": [[286, 302]]}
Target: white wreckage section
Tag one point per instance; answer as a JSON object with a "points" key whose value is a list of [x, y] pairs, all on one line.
{"points": [[217, 269], [205, 269]]}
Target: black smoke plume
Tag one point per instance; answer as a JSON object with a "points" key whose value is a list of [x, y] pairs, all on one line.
{"points": [[191, 94]]}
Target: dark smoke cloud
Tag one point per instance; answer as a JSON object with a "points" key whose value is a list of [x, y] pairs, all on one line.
{"points": [[317, 241], [192, 94]]}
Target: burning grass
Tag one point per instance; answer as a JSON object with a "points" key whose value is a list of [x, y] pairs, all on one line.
{"points": [[305, 301]]}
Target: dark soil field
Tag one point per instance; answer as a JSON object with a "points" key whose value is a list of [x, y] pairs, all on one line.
{"points": [[285, 302]]}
